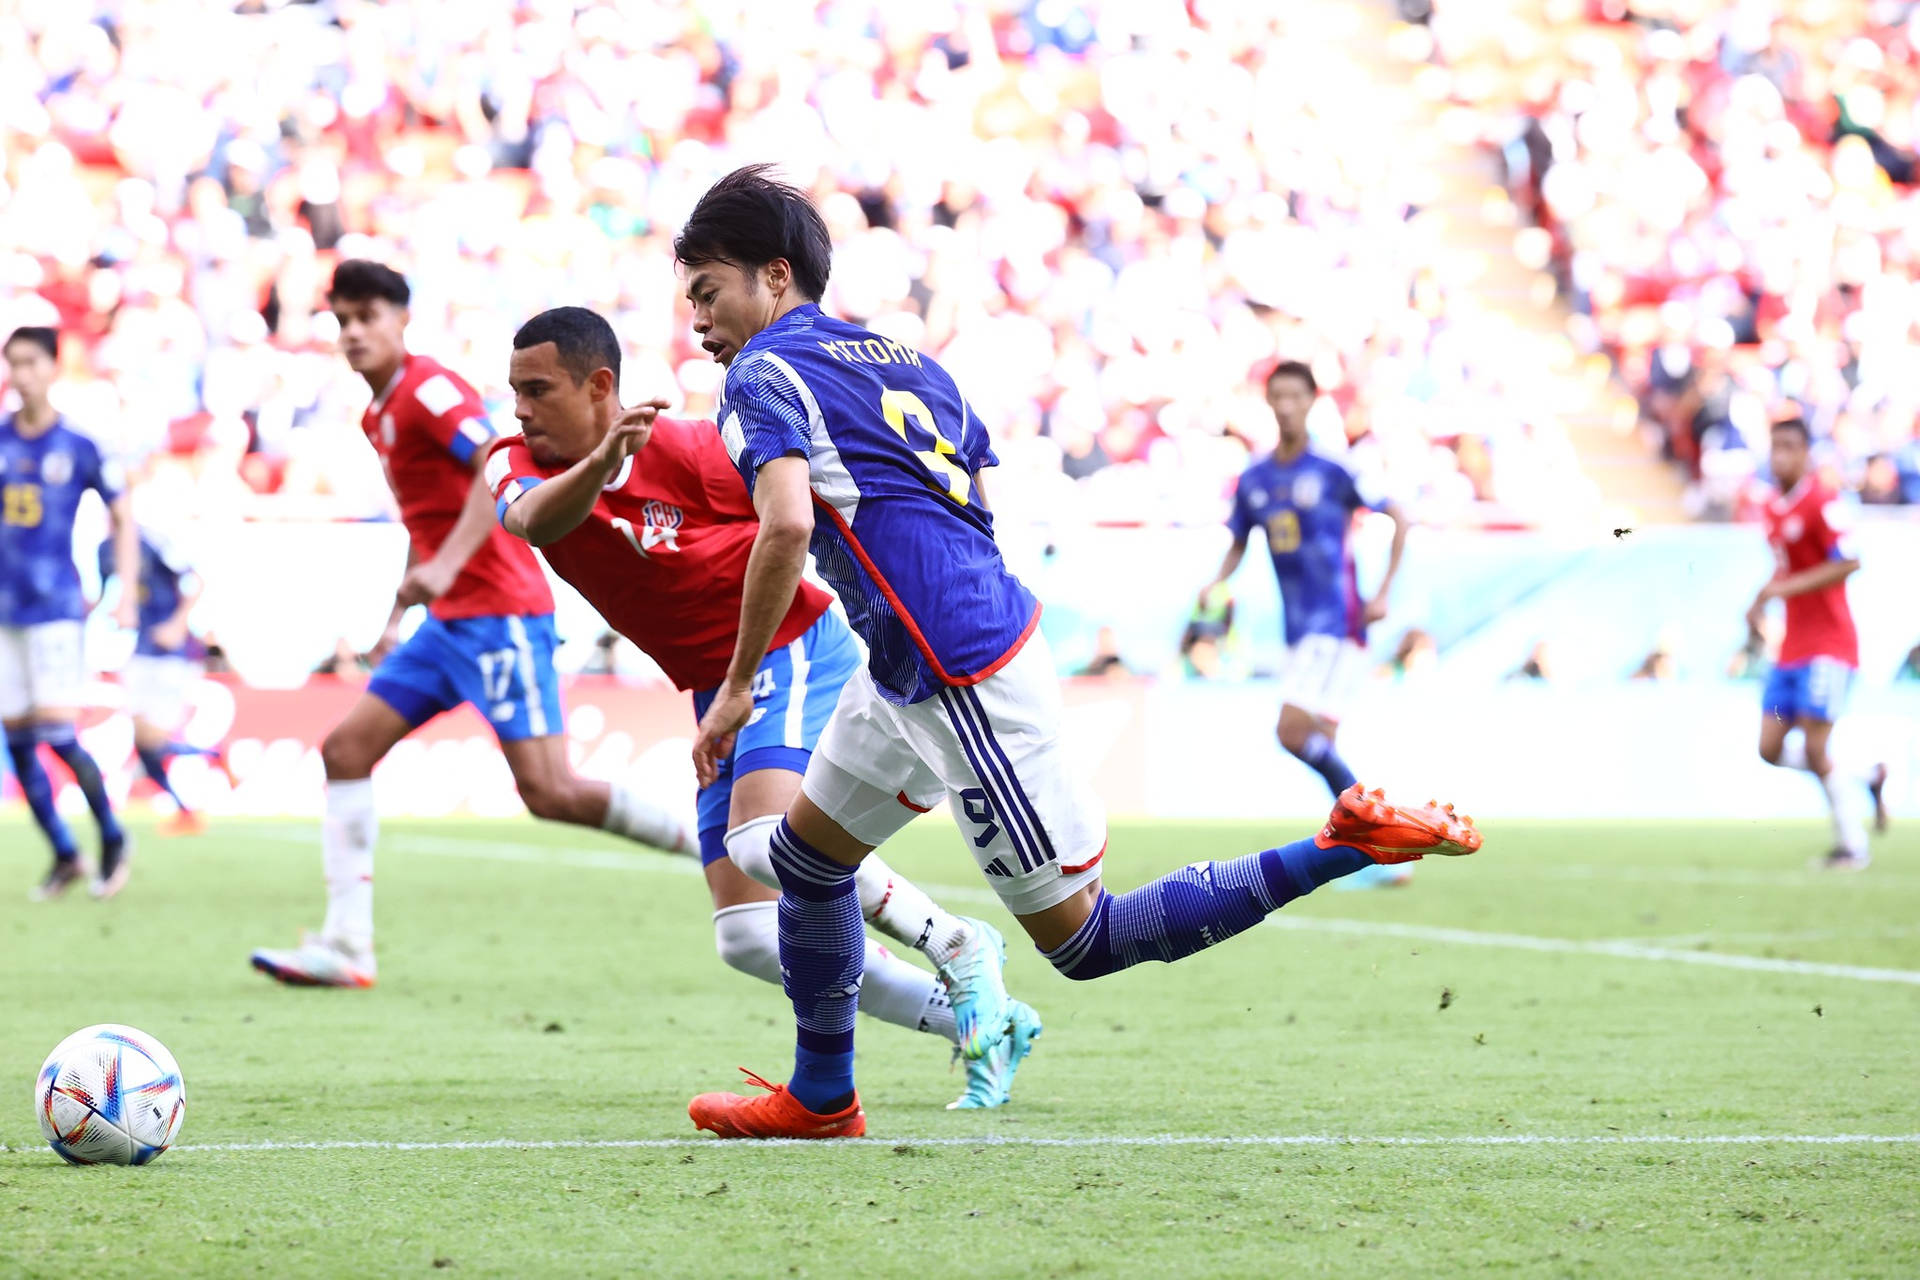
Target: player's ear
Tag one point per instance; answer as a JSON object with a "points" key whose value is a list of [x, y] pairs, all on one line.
{"points": [[778, 276], [600, 383]]}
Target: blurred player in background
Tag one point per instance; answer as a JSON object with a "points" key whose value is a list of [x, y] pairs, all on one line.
{"points": [[866, 450], [1807, 526], [1304, 504], [648, 519], [488, 639], [167, 659], [45, 468]]}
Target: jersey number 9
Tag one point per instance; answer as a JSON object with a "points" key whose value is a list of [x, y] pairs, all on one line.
{"points": [[944, 473], [20, 506]]}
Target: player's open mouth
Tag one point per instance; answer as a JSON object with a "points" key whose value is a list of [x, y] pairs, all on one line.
{"points": [[714, 348]]}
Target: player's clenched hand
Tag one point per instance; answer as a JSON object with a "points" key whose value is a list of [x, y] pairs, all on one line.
{"points": [[725, 717], [425, 582], [1375, 610], [630, 433]]}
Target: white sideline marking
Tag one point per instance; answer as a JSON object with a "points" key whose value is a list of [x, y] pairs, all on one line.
{"points": [[1104, 1140], [1596, 947], [499, 851]]}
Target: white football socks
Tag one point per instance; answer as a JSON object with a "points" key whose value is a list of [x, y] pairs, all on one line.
{"points": [[900, 909], [650, 824], [890, 902], [747, 937], [1849, 828], [347, 833]]}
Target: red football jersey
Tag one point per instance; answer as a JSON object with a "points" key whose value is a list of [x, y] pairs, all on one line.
{"points": [[1807, 527], [663, 556], [426, 427]]}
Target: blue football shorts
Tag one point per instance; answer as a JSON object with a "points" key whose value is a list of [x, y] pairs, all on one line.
{"points": [[794, 693], [502, 664]]}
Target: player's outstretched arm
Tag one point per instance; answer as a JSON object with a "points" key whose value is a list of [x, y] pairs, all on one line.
{"points": [[783, 498], [554, 508]]}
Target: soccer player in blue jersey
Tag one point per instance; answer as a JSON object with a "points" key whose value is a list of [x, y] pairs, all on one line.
{"points": [[45, 468], [865, 449], [166, 659], [1304, 504]]}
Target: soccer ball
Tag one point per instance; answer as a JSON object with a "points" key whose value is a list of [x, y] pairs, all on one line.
{"points": [[110, 1095]]}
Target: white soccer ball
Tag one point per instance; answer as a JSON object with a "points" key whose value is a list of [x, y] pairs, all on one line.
{"points": [[110, 1095]]}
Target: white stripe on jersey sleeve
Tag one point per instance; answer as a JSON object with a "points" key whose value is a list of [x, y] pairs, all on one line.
{"points": [[438, 395], [831, 479]]}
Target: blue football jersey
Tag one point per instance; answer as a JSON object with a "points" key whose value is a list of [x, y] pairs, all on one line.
{"points": [[899, 531], [41, 482], [1306, 508], [163, 578]]}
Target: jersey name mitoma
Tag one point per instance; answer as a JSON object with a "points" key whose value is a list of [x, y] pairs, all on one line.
{"points": [[901, 531]]}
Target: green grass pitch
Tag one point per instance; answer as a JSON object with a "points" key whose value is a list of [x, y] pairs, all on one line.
{"points": [[1628, 989]]}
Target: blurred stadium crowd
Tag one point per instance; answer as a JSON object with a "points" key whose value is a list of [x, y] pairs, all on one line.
{"points": [[1729, 190], [1104, 218]]}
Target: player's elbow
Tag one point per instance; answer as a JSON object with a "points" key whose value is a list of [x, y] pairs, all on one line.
{"points": [[787, 532]]}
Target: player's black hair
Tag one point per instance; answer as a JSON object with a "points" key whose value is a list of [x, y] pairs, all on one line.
{"points": [[749, 218], [42, 336], [361, 280], [1294, 369], [1795, 424], [583, 339]]}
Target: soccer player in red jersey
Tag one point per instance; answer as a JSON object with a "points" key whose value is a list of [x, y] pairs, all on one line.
{"points": [[649, 520], [488, 639], [1806, 525]]}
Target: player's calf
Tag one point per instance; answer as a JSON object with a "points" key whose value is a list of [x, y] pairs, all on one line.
{"points": [[1206, 903]]}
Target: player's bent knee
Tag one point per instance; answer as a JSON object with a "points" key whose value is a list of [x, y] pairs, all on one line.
{"points": [[748, 939], [343, 756], [551, 803]]}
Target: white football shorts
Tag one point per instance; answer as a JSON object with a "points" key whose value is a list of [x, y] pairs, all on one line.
{"points": [[155, 689], [1322, 675], [42, 666], [1036, 828]]}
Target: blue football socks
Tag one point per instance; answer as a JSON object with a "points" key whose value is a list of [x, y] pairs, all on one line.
{"points": [[1194, 908], [154, 761], [38, 789], [1317, 753], [823, 948], [66, 745]]}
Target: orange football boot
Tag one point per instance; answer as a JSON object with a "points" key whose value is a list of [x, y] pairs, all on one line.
{"points": [[184, 822], [775, 1114], [1390, 833]]}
